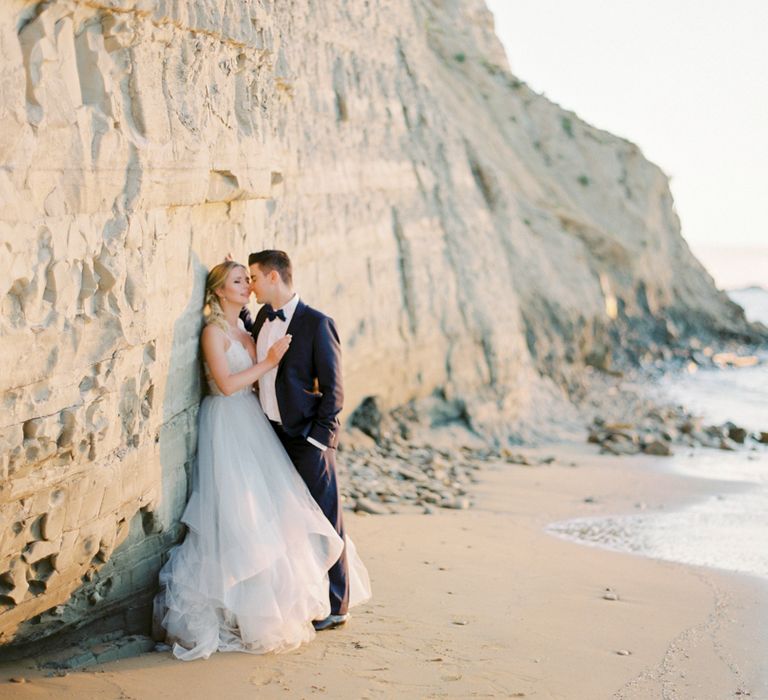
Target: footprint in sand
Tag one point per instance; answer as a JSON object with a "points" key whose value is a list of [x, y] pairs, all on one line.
{"points": [[266, 677], [456, 677]]}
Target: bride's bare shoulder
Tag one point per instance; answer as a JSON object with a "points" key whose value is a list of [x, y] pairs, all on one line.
{"points": [[213, 337]]}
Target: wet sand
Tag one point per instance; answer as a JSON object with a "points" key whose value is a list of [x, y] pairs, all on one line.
{"points": [[485, 603]]}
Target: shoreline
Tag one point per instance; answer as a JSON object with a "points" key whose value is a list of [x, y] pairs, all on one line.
{"points": [[715, 527], [485, 603]]}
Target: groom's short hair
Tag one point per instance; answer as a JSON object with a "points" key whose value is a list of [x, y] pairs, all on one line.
{"points": [[269, 260]]}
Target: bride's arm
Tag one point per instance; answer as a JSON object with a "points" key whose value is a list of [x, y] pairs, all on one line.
{"points": [[214, 342]]}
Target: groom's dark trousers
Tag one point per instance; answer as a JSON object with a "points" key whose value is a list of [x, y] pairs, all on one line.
{"points": [[309, 395], [318, 469]]}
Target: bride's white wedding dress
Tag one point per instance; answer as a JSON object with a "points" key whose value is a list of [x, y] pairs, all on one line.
{"points": [[251, 574]]}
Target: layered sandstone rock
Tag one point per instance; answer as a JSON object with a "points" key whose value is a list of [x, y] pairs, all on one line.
{"points": [[472, 240]]}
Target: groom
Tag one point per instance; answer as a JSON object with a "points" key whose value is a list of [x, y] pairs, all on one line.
{"points": [[303, 396]]}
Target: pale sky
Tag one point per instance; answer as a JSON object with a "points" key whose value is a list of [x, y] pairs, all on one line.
{"points": [[686, 80]]}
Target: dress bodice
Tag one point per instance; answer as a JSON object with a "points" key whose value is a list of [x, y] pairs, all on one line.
{"points": [[238, 360]]}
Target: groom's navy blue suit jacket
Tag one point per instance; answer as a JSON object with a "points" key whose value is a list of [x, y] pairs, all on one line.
{"points": [[308, 384]]}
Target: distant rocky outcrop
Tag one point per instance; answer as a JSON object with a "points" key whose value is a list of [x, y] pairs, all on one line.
{"points": [[475, 243]]}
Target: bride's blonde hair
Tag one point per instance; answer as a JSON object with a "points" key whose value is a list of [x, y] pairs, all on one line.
{"points": [[217, 278]]}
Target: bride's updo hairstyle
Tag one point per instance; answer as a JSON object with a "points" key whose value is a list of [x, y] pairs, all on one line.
{"points": [[217, 278]]}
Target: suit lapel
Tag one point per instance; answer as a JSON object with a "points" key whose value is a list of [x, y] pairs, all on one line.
{"points": [[292, 326], [300, 308], [261, 316]]}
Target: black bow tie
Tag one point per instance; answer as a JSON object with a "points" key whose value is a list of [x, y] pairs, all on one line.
{"points": [[272, 314]]}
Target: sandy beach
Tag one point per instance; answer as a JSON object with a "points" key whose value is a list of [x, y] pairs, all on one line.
{"points": [[485, 603]]}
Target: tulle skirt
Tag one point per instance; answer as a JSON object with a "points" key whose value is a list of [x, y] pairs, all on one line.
{"points": [[252, 572]]}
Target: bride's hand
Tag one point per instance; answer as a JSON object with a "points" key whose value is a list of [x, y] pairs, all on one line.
{"points": [[276, 352]]}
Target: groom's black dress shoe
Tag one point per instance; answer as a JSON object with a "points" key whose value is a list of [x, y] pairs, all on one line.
{"points": [[328, 623]]}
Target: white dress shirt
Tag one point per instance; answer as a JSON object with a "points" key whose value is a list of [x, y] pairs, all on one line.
{"points": [[269, 334]]}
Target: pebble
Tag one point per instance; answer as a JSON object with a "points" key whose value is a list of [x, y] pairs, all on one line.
{"points": [[412, 474], [737, 434], [657, 447], [18, 679], [456, 503], [727, 444], [610, 595], [365, 505], [619, 446], [624, 652]]}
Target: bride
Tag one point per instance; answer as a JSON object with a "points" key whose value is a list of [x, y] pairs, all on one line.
{"points": [[251, 574]]}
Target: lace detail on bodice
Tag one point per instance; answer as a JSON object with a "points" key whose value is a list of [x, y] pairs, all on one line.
{"points": [[238, 360]]}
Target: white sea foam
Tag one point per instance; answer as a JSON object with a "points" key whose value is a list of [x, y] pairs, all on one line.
{"points": [[724, 532]]}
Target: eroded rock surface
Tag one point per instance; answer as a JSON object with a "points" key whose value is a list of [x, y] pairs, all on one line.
{"points": [[472, 240]]}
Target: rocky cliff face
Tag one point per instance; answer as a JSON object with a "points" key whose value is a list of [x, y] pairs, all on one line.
{"points": [[472, 240]]}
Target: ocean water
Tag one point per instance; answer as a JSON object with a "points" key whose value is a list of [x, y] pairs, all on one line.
{"points": [[728, 530], [736, 394]]}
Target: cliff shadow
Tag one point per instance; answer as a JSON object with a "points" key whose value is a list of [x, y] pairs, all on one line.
{"points": [[115, 598]]}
